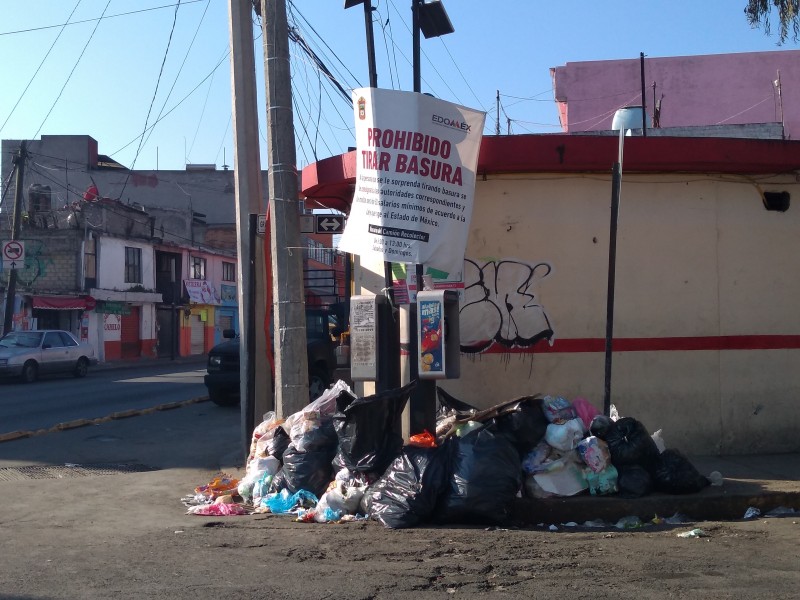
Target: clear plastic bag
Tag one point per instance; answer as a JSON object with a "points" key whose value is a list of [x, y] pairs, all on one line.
{"points": [[310, 418], [262, 434]]}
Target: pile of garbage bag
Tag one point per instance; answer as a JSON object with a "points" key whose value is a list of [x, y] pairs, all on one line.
{"points": [[342, 458]]}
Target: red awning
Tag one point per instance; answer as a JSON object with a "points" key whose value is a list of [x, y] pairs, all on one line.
{"points": [[60, 303]]}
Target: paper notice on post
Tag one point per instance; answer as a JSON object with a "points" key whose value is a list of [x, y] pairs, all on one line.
{"points": [[415, 178]]}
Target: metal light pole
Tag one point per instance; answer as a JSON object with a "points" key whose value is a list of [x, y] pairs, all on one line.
{"points": [[431, 19], [389, 375], [616, 183], [11, 288]]}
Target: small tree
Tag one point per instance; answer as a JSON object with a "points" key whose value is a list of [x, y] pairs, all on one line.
{"points": [[759, 13]]}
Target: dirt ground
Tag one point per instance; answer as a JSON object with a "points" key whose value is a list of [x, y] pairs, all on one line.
{"points": [[265, 556], [127, 536]]}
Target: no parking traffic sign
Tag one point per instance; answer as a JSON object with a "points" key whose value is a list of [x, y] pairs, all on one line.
{"points": [[13, 254]]}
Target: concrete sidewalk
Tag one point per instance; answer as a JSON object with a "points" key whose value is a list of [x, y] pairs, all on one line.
{"points": [[190, 443], [765, 482], [199, 360]]}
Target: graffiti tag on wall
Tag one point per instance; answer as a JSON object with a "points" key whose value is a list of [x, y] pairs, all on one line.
{"points": [[500, 306], [36, 263]]}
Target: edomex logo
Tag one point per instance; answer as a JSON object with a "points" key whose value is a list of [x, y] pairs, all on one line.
{"points": [[451, 123]]}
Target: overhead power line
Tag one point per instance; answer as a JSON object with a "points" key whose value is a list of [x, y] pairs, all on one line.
{"points": [[155, 93], [75, 66], [133, 12], [181, 101], [22, 95]]}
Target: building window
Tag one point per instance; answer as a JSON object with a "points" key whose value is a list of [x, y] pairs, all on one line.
{"points": [[318, 251], [90, 262], [228, 271], [133, 265], [198, 267]]}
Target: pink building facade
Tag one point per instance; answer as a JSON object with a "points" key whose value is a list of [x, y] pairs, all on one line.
{"points": [[707, 90]]}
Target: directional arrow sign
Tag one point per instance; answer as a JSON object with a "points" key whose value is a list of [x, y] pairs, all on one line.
{"points": [[330, 223]]}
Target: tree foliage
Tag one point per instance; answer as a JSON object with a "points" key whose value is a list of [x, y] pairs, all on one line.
{"points": [[761, 12]]}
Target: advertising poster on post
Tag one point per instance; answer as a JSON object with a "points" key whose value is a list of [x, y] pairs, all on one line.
{"points": [[415, 178]]}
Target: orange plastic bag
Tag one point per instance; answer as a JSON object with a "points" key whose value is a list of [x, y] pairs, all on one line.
{"points": [[221, 485], [422, 440]]}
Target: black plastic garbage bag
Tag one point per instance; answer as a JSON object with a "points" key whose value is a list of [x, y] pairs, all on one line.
{"points": [[524, 424], [369, 429], [633, 481], [601, 426], [310, 470], [279, 443], [675, 474], [630, 444], [485, 476], [409, 490], [448, 405]]}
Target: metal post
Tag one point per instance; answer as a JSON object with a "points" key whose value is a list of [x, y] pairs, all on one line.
{"points": [[373, 72], [248, 398], [616, 184], [389, 376], [644, 100], [415, 40], [11, 288]]}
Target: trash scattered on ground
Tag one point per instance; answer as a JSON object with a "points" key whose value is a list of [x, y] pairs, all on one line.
{"points": [[752, 513], [595, 523], [782, 511], [632, 522], [342, 459], [218, 510], [677, 519], [694, 533]]}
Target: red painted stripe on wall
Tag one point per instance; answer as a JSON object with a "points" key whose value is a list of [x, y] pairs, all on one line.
{"points": [[724, 342]]}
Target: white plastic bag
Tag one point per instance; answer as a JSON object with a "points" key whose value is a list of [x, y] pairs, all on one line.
{"points": [[564, 478], [312, 416], [344, 498], [658, 438], [564, 436]]}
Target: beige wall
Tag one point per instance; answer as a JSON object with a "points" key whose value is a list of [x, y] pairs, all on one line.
{"points": [[697, 257]]}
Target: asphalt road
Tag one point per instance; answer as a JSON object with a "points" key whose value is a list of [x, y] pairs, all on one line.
{"points": [[58, 399]]}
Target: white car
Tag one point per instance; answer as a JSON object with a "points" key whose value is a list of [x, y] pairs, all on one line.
{"points": [[27, 354]]}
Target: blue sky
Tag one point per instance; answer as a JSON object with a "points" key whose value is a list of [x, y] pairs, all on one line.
{"points": [[505, 45]]}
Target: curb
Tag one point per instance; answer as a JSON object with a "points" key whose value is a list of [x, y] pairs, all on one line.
{"points": [[17, 435], [14, 435], [712, 504]]}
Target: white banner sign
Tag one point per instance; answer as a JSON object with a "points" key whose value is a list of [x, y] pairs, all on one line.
{"points": [[201, 291], [415, 178]]}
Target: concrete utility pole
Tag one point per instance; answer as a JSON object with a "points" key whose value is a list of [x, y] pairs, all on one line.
{"points": [[11, 288], [291, 361], [256, 377]]}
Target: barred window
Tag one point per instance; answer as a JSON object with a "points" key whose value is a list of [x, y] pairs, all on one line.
{"points": [[133, 265], [228, 271], [197, 267]]}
